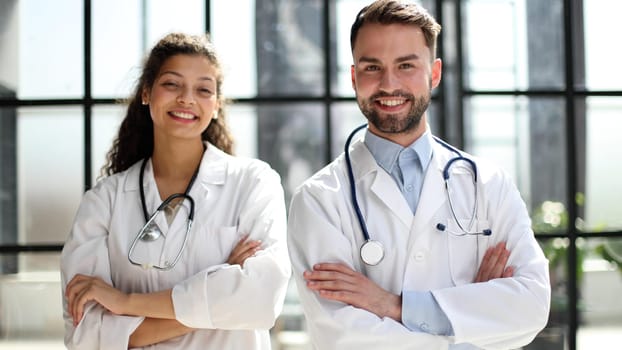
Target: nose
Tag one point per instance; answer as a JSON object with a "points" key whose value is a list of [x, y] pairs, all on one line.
{"points": [[389, 81], [185, 97]]}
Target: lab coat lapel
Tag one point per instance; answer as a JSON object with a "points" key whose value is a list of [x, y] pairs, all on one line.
{"points": [[213, 172], [433, 190], [382, 185]]}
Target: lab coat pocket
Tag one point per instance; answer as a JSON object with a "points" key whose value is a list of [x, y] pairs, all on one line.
{"points": [[465, 250], [214, 244]]}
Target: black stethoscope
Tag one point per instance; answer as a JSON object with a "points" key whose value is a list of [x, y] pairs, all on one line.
{"points": [[151, 231], [372, 251]]}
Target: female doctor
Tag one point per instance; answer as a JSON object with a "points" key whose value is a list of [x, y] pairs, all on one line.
{"points": [[392, 244], [182, 246]]}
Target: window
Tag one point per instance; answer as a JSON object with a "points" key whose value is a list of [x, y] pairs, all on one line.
{"points": [[528, 84]]}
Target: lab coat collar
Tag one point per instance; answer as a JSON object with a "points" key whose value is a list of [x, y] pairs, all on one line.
{"points": [[383, 186], [433, 191], [213, 171], [432, 194]]}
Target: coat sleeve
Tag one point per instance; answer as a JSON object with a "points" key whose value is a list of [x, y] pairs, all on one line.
{"points": [[503, 313], [314, 236], [86, 252], [248, 297]]}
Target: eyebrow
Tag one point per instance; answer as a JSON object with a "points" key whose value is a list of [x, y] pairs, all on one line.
{"points": [[208, 78], [410, 57]]}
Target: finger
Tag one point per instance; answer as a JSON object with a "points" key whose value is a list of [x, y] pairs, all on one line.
{"points": [[331, 285], [78, 307], [509, 272], [240, 253], [335, 267], [342, 296], [485, 262], [499, 268], [487, 267], [75, 289], [76, 280], [325, 275]]}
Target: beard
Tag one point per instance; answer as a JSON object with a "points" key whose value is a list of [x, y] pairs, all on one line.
{"points": [[395, 123]]}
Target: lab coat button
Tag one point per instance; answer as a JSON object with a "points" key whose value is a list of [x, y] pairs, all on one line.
{"points": [[419, 256]]}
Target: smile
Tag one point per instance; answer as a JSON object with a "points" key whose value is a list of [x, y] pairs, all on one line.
{"points": [[391, 103], [182, 115]]}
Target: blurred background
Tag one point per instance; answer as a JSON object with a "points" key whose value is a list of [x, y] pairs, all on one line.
{"points": [[534, 85]]}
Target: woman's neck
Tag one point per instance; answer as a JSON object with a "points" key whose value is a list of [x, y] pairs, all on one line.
{"points": [[176, 161]]}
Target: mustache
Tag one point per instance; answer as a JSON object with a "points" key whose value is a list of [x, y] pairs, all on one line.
{"points": [[398, 93]]}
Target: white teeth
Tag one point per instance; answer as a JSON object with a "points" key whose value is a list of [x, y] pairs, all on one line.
{"points": [[183, 115], [391, 103]]}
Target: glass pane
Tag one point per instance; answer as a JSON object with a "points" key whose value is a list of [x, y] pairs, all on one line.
{"points": [[242, 122], [555, 334], [600, 51], [292, 139], [44, 57], [138, 25], [600, 311], [526, 138], [164, 17], [345, 117], [117, 46], [603, 168], [104, 129], [270, 49], [50, 159], [504, 51], [344, 12], [31, 313]]}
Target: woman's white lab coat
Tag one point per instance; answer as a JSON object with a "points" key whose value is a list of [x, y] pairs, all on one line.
{"points": [[234, 307], [502, 313]]}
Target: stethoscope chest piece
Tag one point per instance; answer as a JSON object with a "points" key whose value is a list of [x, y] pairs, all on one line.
{"points": [[372, 252], [151, 232]]}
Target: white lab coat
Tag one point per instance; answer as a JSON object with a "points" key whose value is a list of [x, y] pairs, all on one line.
{"points": [[234, 307], [499, 314]]}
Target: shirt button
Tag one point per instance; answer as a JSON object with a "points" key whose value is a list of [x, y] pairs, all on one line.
{"points": [[424, 327], [419, 256], [409, 188]]}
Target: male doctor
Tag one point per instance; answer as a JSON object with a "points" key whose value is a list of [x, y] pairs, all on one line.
{"points": [[460, 267]]}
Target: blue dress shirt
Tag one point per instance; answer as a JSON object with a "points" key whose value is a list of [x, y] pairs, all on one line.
{"points": [[407, 166]]}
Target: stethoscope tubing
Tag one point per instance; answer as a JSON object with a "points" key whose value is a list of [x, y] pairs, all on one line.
{"points": [[375, 246], [150, 219]]}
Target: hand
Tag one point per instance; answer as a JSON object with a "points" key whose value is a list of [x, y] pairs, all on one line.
{"points": [[243, 250], [82, 289], [493, 264], [339, 282]]}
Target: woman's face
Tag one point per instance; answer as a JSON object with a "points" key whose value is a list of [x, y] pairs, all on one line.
{"points": [[182, 100]]}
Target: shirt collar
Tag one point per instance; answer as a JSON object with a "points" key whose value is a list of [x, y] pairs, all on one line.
{"points": [[386, 153]]}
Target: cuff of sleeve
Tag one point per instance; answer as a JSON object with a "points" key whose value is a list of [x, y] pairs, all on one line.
{"points": [[421, 312], [190, 303], [121, 326]]}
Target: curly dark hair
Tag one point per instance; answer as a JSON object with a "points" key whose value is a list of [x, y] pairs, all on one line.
{"points": [[135, 138]]}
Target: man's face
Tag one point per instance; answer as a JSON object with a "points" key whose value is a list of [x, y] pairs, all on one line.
{"points": [[393, 76]]}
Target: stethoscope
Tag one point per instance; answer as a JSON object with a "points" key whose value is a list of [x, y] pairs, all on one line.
{"points": [[151, 231], [372, 251]]}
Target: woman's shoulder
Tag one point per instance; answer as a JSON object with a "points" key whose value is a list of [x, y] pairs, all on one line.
{"points": [[239, 165], [118, 181]]}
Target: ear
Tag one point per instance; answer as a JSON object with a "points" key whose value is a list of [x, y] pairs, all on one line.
{"points": [[145, 96], [437, 67], [352, 77]]}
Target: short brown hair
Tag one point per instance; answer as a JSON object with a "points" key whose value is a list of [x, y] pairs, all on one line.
{"points": [[397, 12]]}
